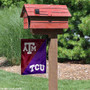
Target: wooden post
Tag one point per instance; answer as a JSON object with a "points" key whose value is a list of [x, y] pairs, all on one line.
{"points": [[53, 80]]}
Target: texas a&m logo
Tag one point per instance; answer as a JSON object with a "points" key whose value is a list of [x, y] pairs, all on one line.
{"points": [[31, 47]]}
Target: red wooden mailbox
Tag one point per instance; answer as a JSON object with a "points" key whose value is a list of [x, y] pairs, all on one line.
{"points": [[47, 20]]}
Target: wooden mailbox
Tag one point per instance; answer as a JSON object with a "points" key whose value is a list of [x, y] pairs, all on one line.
{"points": [[47, 20]]}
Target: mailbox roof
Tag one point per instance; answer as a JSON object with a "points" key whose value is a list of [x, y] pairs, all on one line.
{"points": [[46, 10]]}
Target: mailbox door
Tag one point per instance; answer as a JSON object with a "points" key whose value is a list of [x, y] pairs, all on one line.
{"points": [[25, 20]]}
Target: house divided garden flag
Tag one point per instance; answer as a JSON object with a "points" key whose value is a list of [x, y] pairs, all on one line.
{"points": [[33, 56]]}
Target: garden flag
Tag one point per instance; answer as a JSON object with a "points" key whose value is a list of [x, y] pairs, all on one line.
{"points": [[33, 56]]}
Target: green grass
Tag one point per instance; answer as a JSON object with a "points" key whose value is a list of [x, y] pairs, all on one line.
{"points": [[11, 80], [11, 33]]}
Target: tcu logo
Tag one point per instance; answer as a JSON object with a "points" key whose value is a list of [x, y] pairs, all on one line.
{"points": [[37, 67], [31, 47]]}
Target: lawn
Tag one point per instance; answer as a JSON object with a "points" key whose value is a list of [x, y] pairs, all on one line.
{"points": [[11, 80]]}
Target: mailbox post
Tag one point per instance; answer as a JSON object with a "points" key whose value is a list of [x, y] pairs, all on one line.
{"points": [[53, 79], [47, 20]]}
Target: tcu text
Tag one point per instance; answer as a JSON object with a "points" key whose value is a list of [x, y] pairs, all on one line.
{"points": [[37, 67]]}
